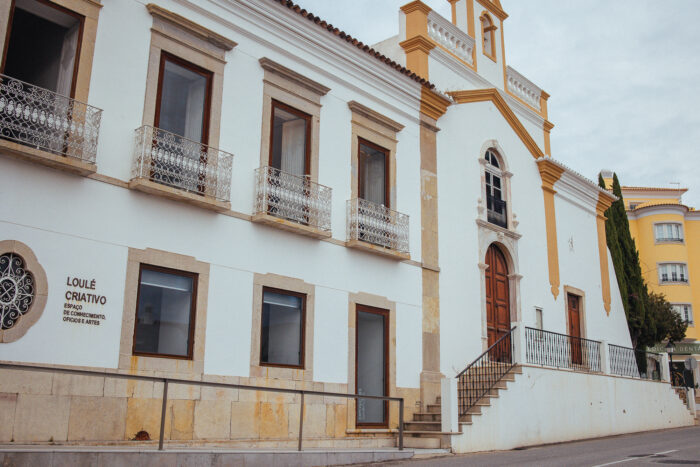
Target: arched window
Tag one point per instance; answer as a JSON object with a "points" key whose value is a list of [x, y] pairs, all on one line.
{"points": [[496, 209], [488, 37]]}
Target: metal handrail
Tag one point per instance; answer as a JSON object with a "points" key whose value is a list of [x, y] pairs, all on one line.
{"points": [[166, 381], [553, 349], [480, 376], [634, 363], [486, 351]]}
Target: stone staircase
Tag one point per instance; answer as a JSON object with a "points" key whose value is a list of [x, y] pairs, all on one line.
{"points": [[683, 396], [425, 430]]}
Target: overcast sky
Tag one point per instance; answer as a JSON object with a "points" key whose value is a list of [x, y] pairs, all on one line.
{"points": [[624, 77]]}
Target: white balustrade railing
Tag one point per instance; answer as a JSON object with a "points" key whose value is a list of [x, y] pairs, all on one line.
{"points": [[451, 37], [293, 198], [523, 88], [178, 162], [42, 119], [375, 223]]}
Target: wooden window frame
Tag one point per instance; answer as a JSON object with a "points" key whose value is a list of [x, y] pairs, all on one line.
{"points": [[193, 312], [387, 167], [387, 356], [208, 74], [78, 47], [277, 104], [302, 349]]}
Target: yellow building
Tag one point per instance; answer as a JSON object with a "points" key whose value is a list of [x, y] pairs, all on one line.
{"points": [[667, 235]]}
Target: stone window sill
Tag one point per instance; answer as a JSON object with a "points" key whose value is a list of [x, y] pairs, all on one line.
{"points": [[65, 163], [359, 431], [153, 188], [379, 250], [290, 226]]}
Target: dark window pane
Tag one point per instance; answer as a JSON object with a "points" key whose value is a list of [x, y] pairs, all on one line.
{"points": [[281, 329], [289, 132], [371, 366], [183, 101], [164, 313], [372, 174], [43, 46]]}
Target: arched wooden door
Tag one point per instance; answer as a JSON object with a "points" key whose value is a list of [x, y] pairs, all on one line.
{"points": [[497, 295]]}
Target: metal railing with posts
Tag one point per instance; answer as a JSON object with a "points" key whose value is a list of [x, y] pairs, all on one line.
{"points": [[169, 381], [178, 162], [625, 361], [293, 198], [45, 120], [552, 349], [496, 211], [476, 380], [377, 224]]}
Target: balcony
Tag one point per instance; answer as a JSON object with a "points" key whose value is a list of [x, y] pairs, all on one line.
{"points": [[292, 202], [169, 165], [496, 212], [523, 88], [42, 126], [376, 228]]}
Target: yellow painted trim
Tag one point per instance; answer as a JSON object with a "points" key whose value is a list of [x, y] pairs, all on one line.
{"points": [[503, 59], [417, 51], [544, 97], [604, 202], [433, 104], [489, 30], [492, 94], [471, 29], [497, 11], [550, 173], [453, 4], [547, 128], [417, 45]]}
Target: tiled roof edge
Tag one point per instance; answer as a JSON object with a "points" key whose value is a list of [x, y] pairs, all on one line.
{"points": [[351, 40]]}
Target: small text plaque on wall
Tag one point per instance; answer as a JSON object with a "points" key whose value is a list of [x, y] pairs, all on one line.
{"points": [[83, 305]]}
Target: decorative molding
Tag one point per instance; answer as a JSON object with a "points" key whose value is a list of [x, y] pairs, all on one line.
{"points": [[293, 76], [416, 5], [375, 117], [523, 89], [550, 173], [498, 229], [24, 290], [492, 94], [494, 8], [190, 26], [433, 104], [603, 204]]}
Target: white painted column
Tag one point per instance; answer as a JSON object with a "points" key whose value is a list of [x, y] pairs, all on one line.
{"points": [[665, 374], [519, 343], [449, 408], [604, 357], [691, 400]]}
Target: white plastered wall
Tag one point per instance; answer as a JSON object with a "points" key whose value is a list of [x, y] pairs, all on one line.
{"points": [[551, 406]]}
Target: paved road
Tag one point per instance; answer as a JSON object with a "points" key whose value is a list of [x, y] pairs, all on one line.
{"points": [[679, 446]]}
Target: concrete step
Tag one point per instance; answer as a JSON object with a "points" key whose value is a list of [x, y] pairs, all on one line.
{"points": [[421, 443], [426, 417], [483, 402], [468, 418], [422, 426], [475, 410], [434, 408]]}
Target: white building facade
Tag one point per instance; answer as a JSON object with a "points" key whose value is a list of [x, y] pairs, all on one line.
{"points": [[238, 192]]}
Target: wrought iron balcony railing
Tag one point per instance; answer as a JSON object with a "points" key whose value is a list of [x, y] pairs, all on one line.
{"points": [[496, 212], [181, 163], [293, 198], [670, 239], [548, 348], [42, 119], [625, 361], [377, 224]]}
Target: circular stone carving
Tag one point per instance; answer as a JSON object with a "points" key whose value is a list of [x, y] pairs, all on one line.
{"points": [[16, 289], [23, 290]]}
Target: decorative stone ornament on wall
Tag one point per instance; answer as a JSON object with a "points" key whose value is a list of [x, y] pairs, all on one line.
{"points": [[23, 290]]}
